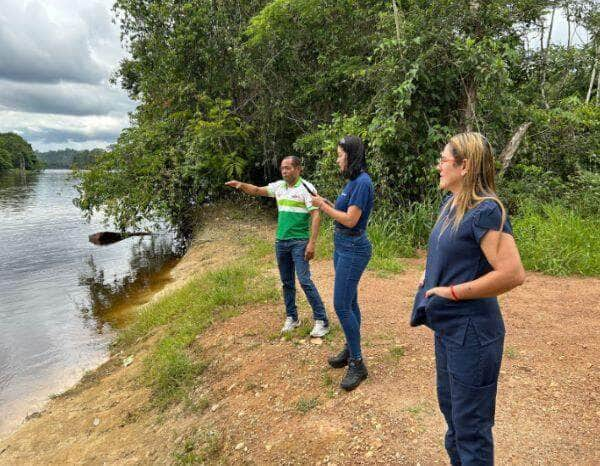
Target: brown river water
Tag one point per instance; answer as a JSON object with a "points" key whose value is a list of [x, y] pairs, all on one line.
{"points": [[61, 297]]}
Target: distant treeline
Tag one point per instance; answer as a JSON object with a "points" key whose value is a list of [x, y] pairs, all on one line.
{"points": [[69, 158], [16, 152]]}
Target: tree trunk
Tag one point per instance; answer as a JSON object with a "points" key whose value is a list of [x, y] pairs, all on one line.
{"points": [[598, 90], [396, 19], [550, 30], [469, 101], [510, 149], [589, 92], [545, 59], [568, 29]]}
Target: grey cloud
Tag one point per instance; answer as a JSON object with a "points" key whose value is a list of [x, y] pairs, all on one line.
{"points": [[55, 60], [63, 99], [33, 48], [43, 136]]}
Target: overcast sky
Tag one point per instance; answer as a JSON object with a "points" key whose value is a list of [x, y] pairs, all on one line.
{"points": [[56, 57]]}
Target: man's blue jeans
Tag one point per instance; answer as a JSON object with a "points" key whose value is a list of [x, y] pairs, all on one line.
{"points": [[350, 259], [291, 262]]}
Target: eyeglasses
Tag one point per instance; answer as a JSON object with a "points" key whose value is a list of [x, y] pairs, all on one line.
{"points": [[443, 160]]}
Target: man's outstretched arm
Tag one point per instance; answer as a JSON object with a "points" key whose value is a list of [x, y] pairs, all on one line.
{"points": [[248, 188]]}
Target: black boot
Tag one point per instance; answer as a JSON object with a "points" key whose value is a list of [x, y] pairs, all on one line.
{"points": [[356, 373], [341, 359]]}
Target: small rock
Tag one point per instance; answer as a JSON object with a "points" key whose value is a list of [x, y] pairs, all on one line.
{"points": [[316, 341], [33, 415], [214, 407], [239, 446], [127, 361], [96, 422]]}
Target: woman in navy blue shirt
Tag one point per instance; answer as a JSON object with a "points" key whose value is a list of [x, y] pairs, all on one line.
{"points": [[351, 254], [472, 258]]}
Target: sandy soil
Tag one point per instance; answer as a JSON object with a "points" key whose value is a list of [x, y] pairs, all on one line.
{"points": [[268, 400]]}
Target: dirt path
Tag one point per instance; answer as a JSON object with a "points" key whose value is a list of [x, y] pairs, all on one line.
{"points": [[267, 400]]}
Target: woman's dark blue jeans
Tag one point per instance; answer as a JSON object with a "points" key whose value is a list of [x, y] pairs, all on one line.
{"points": [[350, 258], [467, 381]]}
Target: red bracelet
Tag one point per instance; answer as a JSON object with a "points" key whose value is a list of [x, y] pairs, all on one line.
{"points": [[453, 293]]}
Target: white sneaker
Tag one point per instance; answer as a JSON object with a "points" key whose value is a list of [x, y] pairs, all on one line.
{"points": [[320, 329], [290, 324]]}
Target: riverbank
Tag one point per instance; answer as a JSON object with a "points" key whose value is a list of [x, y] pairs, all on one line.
{"points": [[61, 297], [186, 385]]}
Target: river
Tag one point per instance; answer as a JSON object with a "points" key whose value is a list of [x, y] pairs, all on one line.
{"points": [[61, 297]]}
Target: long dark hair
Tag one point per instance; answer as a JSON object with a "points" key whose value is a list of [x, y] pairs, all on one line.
{"points": [[356, 162]]}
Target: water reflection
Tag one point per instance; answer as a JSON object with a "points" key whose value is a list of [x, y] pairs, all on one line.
{"points": [[17, 189], [108, 295], [59, 294]]}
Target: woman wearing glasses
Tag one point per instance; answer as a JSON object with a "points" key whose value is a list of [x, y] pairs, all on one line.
{"points": [[351, 254], [472, 258]]}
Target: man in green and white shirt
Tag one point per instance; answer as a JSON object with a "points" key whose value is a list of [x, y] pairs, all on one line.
{"points": [[297, 230]]}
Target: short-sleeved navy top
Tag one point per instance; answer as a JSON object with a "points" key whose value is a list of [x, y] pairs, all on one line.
{"points": [[358, 192], [455, 257]]}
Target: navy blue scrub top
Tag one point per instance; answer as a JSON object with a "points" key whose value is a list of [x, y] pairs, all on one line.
{"points": [[358, 192], [455, 257]]}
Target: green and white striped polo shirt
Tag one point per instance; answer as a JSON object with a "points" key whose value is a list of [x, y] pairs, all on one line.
{"points": [[294, 205]]}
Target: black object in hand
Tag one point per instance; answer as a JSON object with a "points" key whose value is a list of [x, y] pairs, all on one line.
{"points": [[312, 193]]}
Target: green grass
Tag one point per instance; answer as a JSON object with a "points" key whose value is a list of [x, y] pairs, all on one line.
{"points": [[512, 352], [258, 248], [552, 238], [199, 448], [393, 234], [170, 369], [325, 241], [397, 352], [419, 409], [327, 380], [555, 240], [305, 405]]}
